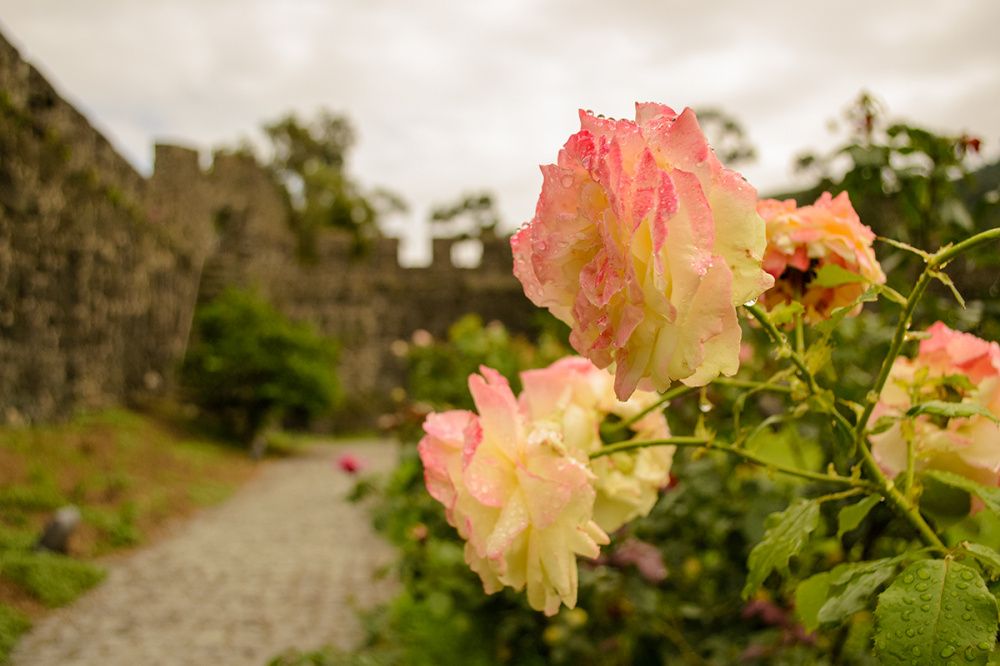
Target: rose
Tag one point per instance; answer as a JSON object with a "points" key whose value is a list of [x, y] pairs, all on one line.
{"points": [[575, 397], [801, 241], [645, 244], [954, 367], [510, 489]]}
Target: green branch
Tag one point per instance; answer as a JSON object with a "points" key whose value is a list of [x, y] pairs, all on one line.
{"points": [[703, 442]]}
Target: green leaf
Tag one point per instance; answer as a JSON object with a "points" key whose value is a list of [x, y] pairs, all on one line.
{"points": [[952, 410], [788, 532], [852, 515], [810, 596], [832, 275], [989, 495], [882, 424], [785, 313], [986, 556], [936, 612], [852, 585]]}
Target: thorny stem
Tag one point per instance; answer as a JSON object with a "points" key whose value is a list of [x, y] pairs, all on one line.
{"points": [[703, 442], [786, 349], [880, 483]]}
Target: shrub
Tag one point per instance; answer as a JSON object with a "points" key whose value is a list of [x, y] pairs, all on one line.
{"points": [[249, 365]]}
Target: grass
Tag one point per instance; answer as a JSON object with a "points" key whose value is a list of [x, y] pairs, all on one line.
{"points": [[12, 625], [129, 474]]}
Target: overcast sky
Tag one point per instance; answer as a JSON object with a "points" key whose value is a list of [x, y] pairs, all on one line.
{"points": [[468, 95]]}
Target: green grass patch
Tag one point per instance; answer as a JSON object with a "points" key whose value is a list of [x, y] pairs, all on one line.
{"points": [[12, 625], [55, 580]]}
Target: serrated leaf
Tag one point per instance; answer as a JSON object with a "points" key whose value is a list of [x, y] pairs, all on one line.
{"points": [[832, 275], [788, 532], [989, 495], [810, 595], [952, 410], [988, 557], [852, 585], [852, 515], [936, 612]]}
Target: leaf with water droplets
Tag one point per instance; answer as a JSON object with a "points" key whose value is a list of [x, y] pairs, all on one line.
{"points": [[933, 611], [989, 558], [788, 531]]}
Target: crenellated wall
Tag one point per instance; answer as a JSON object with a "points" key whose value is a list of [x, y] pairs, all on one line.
{"points": [[100, 269]]}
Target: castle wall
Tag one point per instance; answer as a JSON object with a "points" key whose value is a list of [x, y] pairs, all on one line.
{"points": [[101, 269]]}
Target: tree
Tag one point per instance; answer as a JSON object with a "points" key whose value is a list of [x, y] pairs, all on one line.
{"points": [[249, 366], [309, 160]]}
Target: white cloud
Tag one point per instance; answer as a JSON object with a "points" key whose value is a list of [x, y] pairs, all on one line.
{"points": [[454, 96]]}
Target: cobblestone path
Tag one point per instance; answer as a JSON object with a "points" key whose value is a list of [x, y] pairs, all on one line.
{"points": [[283, 563]]}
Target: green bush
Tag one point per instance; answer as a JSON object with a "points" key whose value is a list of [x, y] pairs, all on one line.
{"points": [[55, 580], [12, 625], [249, 365], [438, 371]]}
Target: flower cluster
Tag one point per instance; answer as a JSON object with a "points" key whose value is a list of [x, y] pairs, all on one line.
{"points": [[645, 245], [517, 484], [802, 240], [953, 367]]}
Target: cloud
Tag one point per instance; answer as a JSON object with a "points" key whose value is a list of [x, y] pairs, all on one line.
{"points": [[449, 97]]}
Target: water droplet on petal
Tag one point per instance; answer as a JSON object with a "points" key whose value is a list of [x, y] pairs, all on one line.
{"points": [[749, 304]]}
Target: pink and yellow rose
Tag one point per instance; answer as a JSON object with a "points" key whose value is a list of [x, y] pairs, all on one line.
{"points": [[645, 245], [517, 483], [523, 505], [950, 366], [802, 240]]}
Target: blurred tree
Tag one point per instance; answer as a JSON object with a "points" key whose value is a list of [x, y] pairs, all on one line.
{"points": [[727, 137], [905, 181], [248, 366], [469, 216], [309, 160]]}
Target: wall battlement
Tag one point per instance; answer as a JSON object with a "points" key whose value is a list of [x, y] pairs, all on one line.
{"points": [[100, 268]]}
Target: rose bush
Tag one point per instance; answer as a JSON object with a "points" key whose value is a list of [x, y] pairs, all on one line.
{"points": [[645, 245]]}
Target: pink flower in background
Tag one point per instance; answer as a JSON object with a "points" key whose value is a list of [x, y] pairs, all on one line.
{"points": [[349, 463], [645, 244], [523, 505], [802, 240], [950, 366]]}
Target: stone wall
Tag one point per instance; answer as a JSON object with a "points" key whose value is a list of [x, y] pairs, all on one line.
{"points": [[100, 269]]}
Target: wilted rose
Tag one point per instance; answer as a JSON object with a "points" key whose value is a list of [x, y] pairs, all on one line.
{"points": [[802, 240], [645, 244]]}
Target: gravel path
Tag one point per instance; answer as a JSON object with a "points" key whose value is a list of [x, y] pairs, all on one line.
{"points": [[282, 564]]}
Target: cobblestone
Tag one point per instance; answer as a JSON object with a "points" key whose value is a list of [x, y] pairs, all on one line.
{"points": [[284, 563]]}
